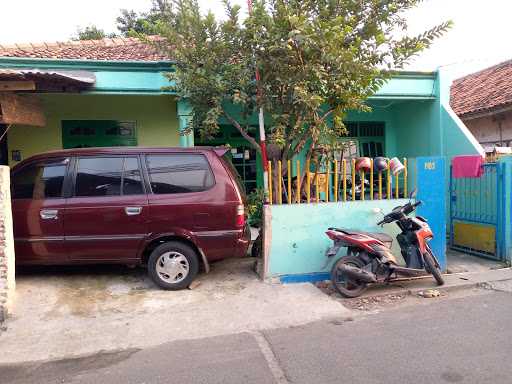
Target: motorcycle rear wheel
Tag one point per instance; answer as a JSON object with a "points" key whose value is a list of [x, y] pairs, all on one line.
{"points": [[347, 287], [432, 268]]}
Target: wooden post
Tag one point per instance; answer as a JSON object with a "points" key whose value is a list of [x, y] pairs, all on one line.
{"points": [[289, 164], [270, 182], [388, 182], [361, 174], [308, 181], [344, 165], [397, 181], [353, 179], [298, 181], [405, 177], [327, 186], [371, 179], [380, 185], [280, 185], [335, 181], [316, 183]]}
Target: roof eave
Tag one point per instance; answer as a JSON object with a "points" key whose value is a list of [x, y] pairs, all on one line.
{"points": [[23, 62], [477, 114]]}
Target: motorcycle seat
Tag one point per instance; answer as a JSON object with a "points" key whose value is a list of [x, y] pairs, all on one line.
{"points": [[382, 237]]}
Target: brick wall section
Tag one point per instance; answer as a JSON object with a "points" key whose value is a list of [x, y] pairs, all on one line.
{"points": [[7, 282]]}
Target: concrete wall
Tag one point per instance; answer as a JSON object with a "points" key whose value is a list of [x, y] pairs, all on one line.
{"points": [[298, 240], [295, 240], [487, 129], [7, 282], [155, 116]]}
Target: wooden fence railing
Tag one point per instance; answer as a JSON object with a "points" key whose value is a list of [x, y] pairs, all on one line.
{"points": [[334, 181]]}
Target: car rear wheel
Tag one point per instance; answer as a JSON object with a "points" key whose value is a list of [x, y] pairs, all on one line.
{"points": [[173, 265]]}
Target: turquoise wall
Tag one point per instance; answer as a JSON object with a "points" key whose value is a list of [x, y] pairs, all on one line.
{"points": [[409, 85], [130, 82], [456, 136], [299, 241], [127, 77], [412, 122], [419, 121]]}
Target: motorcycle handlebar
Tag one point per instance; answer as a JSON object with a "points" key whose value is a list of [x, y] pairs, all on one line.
{"points": [[405, 210]]}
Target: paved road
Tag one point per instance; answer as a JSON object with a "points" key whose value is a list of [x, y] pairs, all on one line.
{"points": [[467, 340]]}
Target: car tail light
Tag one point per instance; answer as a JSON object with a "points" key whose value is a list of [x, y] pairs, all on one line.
{"points": [[240, 216]]}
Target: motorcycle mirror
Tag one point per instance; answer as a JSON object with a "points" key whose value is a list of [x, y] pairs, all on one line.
{"points": [[412, 194]]}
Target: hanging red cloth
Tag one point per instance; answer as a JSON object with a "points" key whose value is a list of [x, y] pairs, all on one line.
{"points": [[467, 166]]}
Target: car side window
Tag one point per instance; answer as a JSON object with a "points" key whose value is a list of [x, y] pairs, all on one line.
{"points": [[98, 176], [108, 176], [132, 178], [40, 181], [179, 173]]}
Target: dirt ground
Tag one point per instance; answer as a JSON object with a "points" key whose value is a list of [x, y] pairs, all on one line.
{"points": [[82, 310]]}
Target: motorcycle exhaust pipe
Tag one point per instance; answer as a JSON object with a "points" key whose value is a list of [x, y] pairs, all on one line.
{"points": [[358, 274]]}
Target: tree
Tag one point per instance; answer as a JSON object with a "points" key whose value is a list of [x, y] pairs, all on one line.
{"points": [[91, 32], [318, 59], [130, 22]]}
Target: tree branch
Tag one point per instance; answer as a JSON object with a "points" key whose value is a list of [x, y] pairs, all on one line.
{"points": [[245, 135]]}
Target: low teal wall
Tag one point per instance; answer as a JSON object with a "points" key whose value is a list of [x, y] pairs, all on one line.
{"points": [[299, 242]]}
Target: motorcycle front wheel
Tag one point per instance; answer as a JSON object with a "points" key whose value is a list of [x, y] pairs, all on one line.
{"points": [[345, 286], [431, 267]]}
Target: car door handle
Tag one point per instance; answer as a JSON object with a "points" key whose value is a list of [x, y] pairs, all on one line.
{"points": [[49, 214], [133, 211]]}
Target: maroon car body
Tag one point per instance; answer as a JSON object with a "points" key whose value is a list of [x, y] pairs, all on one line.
{"points": [[116, 205]]}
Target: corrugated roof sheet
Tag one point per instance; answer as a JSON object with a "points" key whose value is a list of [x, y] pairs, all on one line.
{"points": [[84, 77]]}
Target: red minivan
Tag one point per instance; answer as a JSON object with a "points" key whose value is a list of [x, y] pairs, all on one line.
{"points": [[171, 209]]}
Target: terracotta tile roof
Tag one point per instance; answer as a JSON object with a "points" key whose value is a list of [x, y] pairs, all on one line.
{"points": [[116, 49], [483, 91]]}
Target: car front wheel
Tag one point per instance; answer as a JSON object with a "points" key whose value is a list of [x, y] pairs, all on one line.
{"points": [[173, 265]]}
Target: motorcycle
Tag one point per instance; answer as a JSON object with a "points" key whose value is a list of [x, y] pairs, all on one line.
{"points": [[369, 257]]}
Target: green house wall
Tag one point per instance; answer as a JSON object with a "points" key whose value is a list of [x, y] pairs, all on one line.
{"points": [[155, 117]]}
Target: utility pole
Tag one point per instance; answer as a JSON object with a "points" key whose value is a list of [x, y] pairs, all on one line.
{"points": [[261, 119]]}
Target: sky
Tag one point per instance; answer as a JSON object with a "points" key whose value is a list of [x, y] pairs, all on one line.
{"points": [[480, 36]]}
